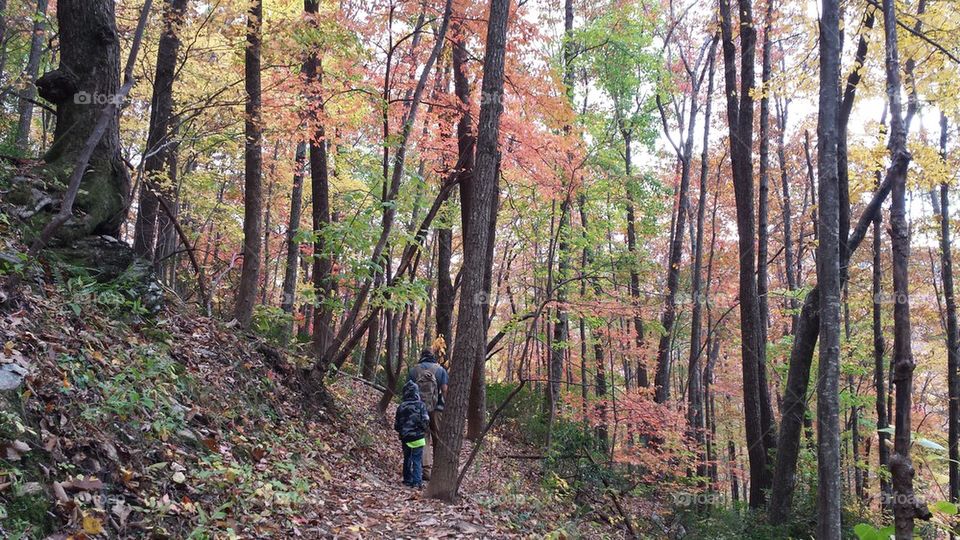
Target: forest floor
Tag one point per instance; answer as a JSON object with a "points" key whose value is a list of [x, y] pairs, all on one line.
{"points": [[174, 425]]}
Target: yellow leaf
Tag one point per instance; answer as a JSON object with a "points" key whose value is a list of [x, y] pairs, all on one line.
{"points": [[92, 524]]}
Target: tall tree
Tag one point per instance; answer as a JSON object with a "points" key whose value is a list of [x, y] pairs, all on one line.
{"points": [[789, 268], [683, 148], [828, 277], [477, 400], [561, 322], [349, 335], [879, 352], [807, 323], [464, 169], [289, 288], [470, 345], [159, 143], [3, 39], [763, 235], [740, 118], [906, 505], [695, 388], [476, 408], [29, 91], [953, 339], [320, 195], [253, 169], [445, 290]]}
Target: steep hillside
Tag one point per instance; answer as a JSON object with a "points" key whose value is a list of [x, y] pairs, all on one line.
{"points": [[119, 423]]}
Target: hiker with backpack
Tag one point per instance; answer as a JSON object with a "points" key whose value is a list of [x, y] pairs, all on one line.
{"points": [[411, 424], [431, 379]]}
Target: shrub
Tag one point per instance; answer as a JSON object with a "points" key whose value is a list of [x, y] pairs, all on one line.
{"points": [[272, 323]]}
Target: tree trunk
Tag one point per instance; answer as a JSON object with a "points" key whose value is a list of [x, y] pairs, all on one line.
{"points": [[788, 259], [662, 376], [391, 359], [600, 378], [695, 388], [879, 379], [470, 347], [323, 331], [267, 226], [828, 279], [740, 118], [167, 237], [3, 41], [906, 505], [88, 77], [734, 477], [289, 290], [253, 159], [807, 327], [763, 240], [476, 406], [561, 321], [159, 143], [371, 353], [445, 290], [953, 339], [642, 378], [29, 92], [477, 402]]}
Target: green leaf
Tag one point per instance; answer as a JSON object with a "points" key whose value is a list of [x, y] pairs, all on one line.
{"points": [[927, 443], [865, 531], [945, 507]]}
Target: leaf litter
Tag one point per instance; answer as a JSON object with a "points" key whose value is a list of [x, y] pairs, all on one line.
{"points": [[177, 427]]}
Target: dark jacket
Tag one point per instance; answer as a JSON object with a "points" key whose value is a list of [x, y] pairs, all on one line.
{"points": [[412, 418], [430, 361]]}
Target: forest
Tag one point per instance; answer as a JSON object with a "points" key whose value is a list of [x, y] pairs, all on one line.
{"points": [[650, 268]]}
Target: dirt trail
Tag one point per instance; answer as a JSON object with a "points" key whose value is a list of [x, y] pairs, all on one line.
{"points": [[364, 497]]}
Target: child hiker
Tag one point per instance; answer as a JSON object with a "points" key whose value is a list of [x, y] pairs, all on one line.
{"points": [[411, 424]]}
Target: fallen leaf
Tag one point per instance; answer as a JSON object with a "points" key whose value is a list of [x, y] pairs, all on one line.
{"points": [[122, 511], [258, 453], [60, 493], [210, 443], [92, 524], [90, 484]]}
